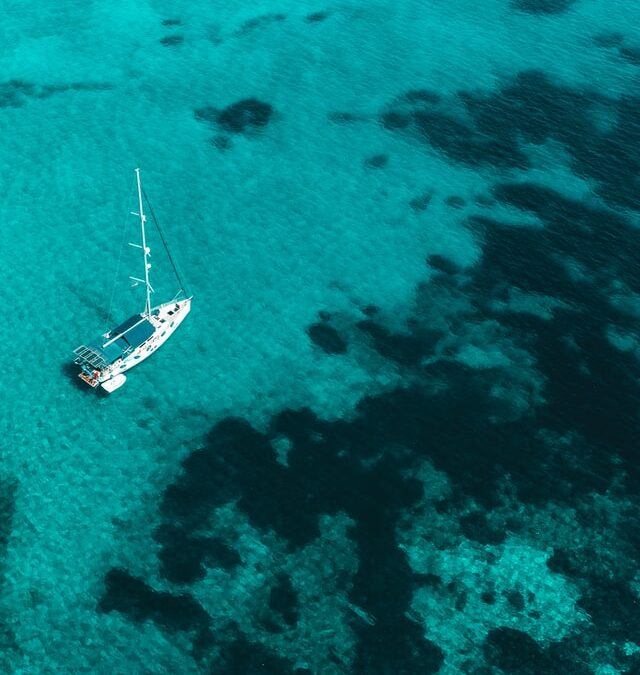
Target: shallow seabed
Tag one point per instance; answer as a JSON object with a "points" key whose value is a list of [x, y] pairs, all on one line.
{"points": [[398, 431]]}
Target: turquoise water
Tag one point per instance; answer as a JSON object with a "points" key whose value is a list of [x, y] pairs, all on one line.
{"points": [[397, 432]]}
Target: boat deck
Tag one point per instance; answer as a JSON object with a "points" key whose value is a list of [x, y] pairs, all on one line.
{"points": [[91, 381]]}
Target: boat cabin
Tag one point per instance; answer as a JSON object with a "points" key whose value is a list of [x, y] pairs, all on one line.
{"points": [[116, 344]]}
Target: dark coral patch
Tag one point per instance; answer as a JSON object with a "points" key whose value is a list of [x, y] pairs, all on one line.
{"points": [[608, 40], [250, 113], [131, 596], [532, 105], [455, 202], [630, 54], [395, 120], [488, 597], [240, 463], [612, 606], [476, 527], [185, 558], [610, 602], [221, 142], [532, 109], [8, 492], [171, 22], [563, 114], [515, 599], [12, 93], [370, 310], [446, 133], [316, 17], [513, 651], [590, 384], [361, 466], [239, 117], [542, 6], [407, 350], [327, 338], [421, 203], [576, 229], [536, 109], [324, 475], [283, 600], [259, 22], [396, 648], [376, 161], [464, 144], [421, 96], [429, 579], [50, 89], [210, 475], [442, 264], [172, 40], [451, 133], [242, 657]]}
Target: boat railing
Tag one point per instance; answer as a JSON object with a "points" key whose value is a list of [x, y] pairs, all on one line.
{"points": [[86, 355]]}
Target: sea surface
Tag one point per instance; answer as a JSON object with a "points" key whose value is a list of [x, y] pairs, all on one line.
{"points": [[398, 432]]}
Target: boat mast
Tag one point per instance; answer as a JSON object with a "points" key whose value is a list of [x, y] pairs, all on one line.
{"points": [[146, 251]]}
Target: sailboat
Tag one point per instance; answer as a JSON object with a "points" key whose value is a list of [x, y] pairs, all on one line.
{"points": [[105, 360]]}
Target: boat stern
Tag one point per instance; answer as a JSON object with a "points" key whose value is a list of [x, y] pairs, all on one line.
{"points": [[91, 380]]}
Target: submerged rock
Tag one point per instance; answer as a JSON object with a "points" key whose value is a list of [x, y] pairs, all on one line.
{"points": [[172, 40], [376, 161], [240, 116], [327, 338], [542, 6], [283, 600], [316, 17], [514, 651], [237, 117], [421, 203], [137, 600], [455, 202], [442, 264]]}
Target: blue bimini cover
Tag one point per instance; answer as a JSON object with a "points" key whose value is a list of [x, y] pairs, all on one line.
{"points": [[133, 332]]}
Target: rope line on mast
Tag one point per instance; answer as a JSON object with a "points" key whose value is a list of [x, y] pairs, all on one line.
{"points": [[183, 288]]}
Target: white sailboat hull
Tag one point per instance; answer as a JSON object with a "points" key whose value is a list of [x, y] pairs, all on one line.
{"points": [[165, 318]]}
